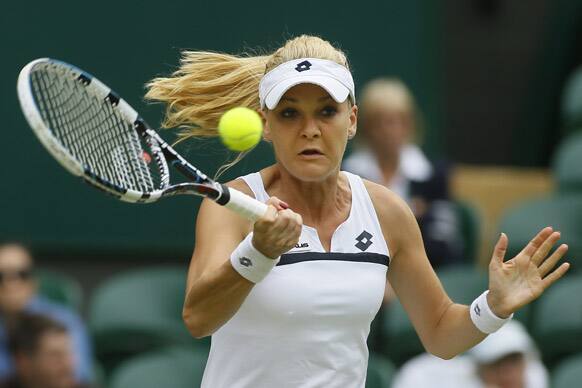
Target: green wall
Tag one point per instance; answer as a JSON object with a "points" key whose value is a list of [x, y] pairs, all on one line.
{"points": [[559, 54], [125, 43]]}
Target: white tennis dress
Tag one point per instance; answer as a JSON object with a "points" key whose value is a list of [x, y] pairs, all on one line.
{"points": [[306, 324]]}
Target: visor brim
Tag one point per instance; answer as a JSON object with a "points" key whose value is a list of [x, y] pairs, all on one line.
{"points": [[338, 91]]}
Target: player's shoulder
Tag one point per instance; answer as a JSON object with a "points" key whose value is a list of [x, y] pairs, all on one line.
{"points": [[215, 216], [266, 179], [241, 185], [382, 195]]}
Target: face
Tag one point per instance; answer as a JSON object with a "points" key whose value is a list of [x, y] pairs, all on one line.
{"points": [[16, 283], [387, 129], [52, 365], [309, 131], [507, 372]]}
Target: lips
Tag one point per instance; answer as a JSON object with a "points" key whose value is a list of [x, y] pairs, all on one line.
{"points": [[311, 152]]}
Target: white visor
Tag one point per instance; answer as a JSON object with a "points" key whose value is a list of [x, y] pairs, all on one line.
{"points": [[333, 77]]}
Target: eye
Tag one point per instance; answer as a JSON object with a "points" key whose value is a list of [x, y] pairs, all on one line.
{"points": [[288, 113], [329, 111]]}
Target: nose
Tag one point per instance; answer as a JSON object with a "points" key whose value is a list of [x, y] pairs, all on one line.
{"points": [[310, 129]]}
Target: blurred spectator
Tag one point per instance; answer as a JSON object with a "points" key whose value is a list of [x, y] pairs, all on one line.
{"points": [[505, 359], [389, 126], [42, 353], [18, 293]]}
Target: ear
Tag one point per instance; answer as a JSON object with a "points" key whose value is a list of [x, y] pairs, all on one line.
{"points": [[266, 128], [352, 129]]}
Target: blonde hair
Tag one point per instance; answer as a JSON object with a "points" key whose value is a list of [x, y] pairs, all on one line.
{"points": [[207, 84], [391, 94]]}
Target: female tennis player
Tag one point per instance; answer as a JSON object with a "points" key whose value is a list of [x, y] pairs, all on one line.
{"points": [[289, 299]]}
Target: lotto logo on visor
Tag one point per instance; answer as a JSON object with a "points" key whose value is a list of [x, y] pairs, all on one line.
{"points": [[333, 77], [303, 66]]}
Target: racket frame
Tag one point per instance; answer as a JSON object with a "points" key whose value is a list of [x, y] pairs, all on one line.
{"points": [[162, 152]]}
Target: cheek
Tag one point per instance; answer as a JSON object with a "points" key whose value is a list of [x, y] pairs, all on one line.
{"points": [[337, 140]]}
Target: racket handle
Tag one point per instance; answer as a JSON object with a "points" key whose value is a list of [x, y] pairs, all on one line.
{"points": [[244, 205]]}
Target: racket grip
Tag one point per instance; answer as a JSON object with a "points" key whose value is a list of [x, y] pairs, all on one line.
{"points": [[244, 205]]}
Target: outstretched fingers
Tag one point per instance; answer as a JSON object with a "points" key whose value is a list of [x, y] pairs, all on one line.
{"points": [[548, 264], [557, 274], [531, 248], [542, 252]]}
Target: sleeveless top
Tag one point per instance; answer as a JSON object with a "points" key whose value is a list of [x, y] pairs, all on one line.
{"points": [[306, 324]]}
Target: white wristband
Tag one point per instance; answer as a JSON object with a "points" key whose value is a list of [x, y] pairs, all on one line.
{"points": [[482, 316], [250, 263]]}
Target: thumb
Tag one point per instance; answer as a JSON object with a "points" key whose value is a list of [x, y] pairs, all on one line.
{"points": [[500, 250]]}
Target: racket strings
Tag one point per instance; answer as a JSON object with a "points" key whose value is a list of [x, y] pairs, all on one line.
{"points": [[93, 131], [59, 112], [64, 121], [154, 145]]}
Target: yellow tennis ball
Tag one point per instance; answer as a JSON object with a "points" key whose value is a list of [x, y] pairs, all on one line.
{"points": [[240, 128]]}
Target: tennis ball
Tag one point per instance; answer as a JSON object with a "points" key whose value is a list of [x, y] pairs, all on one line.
{"points": [[240, 128]]}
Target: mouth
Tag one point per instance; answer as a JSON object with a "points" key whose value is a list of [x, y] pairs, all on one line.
{"points": [[311, 152]]}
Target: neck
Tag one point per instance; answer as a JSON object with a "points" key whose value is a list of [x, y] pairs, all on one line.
{"points": [[316, 200]]}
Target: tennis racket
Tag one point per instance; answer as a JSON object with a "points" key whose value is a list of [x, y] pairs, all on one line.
{"points": [[96, 135]]}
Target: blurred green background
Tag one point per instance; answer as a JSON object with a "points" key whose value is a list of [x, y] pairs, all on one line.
{"points": [[489, 77], [461, 73], [126, 43]]}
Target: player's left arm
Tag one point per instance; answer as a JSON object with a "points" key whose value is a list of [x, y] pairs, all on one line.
{"points": [[444, 327]]}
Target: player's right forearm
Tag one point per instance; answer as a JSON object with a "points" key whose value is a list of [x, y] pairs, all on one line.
{"points": [[213, 299]]}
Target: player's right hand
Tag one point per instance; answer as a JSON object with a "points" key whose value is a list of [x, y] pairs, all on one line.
{"points": [[278, 230]]}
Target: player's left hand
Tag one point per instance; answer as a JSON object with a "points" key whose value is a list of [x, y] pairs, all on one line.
{"points": [[517, 282]]}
